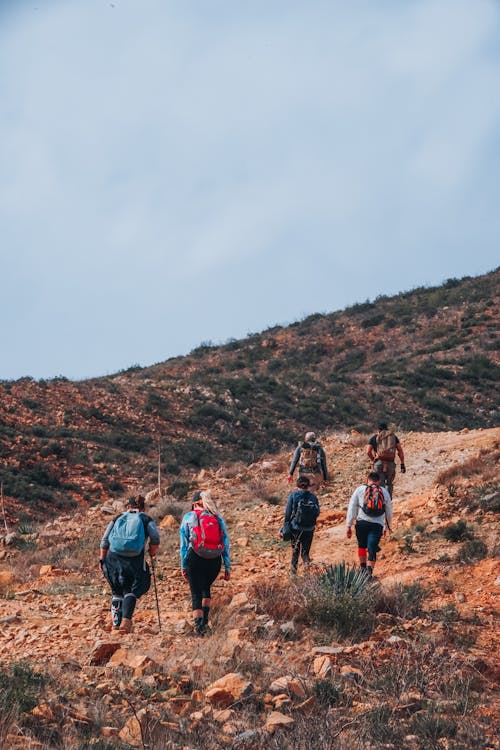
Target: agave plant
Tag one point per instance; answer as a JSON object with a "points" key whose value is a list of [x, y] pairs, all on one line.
{"points": [[343, 578], [340, 598]]}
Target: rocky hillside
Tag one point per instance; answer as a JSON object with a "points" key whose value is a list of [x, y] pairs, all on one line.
{"points": [[407, 663], [426, 359]]}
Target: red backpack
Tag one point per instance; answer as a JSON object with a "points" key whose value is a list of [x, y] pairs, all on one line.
{"points": [[206, 536], [373, 501]]}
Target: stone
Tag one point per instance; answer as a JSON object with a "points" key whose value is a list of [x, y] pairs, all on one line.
{"points": [[131, 732], [277, 720], [322, 666], [229, 689], [168, 522], [102, 652], [351, 673]]}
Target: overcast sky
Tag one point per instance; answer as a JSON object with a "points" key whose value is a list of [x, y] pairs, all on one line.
{"points": [[173, 172]]}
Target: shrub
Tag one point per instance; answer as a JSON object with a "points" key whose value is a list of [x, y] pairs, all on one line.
{"points": [[457, 532], [179, 489], [342, 598], [474, 549], [327, 692], [401, 600]]}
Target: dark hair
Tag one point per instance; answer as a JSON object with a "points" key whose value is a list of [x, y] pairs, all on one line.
{"points": [[374, 476], [382, 426], [136, 501], [303, 482]]}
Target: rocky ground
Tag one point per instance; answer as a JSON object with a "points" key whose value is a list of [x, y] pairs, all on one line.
{"points": [[262, 670]]}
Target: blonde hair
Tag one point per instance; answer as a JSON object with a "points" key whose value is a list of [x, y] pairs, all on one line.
{"points": [[209, 503]]}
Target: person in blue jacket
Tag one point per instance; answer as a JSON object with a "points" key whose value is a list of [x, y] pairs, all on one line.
{"points": [[301, 512], [204, 545]]}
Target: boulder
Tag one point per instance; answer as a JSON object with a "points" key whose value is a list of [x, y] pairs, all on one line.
{"points": [[277, 720], [229, 689]]}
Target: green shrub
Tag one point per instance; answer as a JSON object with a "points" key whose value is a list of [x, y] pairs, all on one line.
{"points": [[457, 532], [327, 693], [20, 687], [474, 549], [341, 598]]}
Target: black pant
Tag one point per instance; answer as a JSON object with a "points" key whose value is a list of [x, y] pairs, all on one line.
{"points": [[301, 544], [369, 535], [129, 578], [201, 573]]}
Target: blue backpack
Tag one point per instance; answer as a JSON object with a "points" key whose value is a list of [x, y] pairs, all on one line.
{"points": [[128, 535]]}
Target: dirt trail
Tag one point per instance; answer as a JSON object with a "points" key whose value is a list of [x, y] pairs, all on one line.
{"points": [[59, 616]]}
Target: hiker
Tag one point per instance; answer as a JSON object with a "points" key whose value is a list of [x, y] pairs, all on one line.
{"points": [[311, 459], [301, 512], [122, 560], [371, 507], [382, 448], [204, 545]]}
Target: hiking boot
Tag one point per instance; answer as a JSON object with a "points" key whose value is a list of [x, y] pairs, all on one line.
{"points": [[126, 625], [199, 627]]}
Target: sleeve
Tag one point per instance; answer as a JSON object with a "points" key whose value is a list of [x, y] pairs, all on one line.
{"points": [[295, 459], [105, 539], [322, 457], [373, 442], [184, 532], [352, 510], [225, 538], [152, 531], [388, 508], [289, 507]]}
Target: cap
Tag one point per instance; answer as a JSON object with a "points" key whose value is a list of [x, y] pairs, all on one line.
{"points": [[382, 426], [132, 502], [303, 481], [196, 497]]}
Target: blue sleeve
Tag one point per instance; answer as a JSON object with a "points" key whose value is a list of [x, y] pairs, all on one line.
{"points": [[225, 555], [184, 533], [289, 506], [152, 532], [105, 538]]}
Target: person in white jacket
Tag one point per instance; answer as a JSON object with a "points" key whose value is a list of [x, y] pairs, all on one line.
{"points": [[370, 507]]}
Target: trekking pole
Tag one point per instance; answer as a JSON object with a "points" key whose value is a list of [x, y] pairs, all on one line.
{"points": [[156, 591]]}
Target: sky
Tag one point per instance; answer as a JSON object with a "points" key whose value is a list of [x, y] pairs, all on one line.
{"points": [[179, 172]]}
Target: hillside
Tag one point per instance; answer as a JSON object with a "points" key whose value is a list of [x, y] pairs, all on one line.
{"points": [[418, 672], [425, 359]]}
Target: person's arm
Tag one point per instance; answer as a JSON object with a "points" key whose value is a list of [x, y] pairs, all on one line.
{"points": [[388, 508], [184, 540], [371, 449], [352, 512], [104, 546], [295, 460], [322, 458], [289, 508], [401, 455], [226, 557], [154, 536]]}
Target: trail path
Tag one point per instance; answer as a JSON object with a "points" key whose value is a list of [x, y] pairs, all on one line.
{"points": [[57, 615]]}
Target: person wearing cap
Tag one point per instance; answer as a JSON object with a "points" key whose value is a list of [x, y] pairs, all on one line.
{"points": [[381, 449], [204, 545], [311, 460], [127, 571], [301, 513]]}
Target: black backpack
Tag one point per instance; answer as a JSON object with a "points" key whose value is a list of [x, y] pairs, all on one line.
{"points": [[307, 511]]}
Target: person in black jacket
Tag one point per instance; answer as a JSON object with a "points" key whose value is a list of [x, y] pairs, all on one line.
{"points": [[301, 512]]}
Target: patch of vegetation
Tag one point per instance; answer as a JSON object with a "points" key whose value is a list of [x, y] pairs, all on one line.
{"points": [[457, 532]]}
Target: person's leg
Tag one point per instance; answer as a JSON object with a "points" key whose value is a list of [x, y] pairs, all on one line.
{"points": [[211, 571], [129, 602], [295, 542], [373, 538], [361, 536], [306, 541], [194, 571], [116, 609], [390, 473]]}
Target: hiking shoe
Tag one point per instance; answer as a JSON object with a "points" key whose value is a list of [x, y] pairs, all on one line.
{"points": [[199, 627], [126, 625]]}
